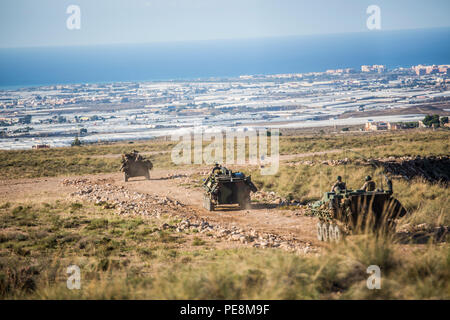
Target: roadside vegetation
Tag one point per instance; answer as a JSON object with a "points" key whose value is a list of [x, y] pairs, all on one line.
{"points": [[368, 144], [131, 258], [78, 160], [427, 202]]}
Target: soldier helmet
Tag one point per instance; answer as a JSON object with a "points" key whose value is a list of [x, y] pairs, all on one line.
{"points": [[339, 178], [368, 178]]}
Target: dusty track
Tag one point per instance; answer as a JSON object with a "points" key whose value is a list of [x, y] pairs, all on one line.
{"points": [[262, 218]]}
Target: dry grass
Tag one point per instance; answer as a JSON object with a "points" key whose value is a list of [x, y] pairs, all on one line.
{"points": [[96, 158], [86, 159], [129, 258], [380, 144]]}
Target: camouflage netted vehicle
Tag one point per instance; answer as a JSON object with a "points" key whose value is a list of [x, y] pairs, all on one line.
{"points": [[134, 165], [226, 187], [345, 211]]}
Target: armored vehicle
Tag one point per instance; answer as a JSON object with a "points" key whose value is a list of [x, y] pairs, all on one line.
{"points": [[345, 211], [226, 187], [134, 165]]}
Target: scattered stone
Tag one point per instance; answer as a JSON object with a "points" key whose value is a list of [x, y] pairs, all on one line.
{"points": [[109, 196]]}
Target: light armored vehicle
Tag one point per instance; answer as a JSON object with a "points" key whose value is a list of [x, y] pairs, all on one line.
{"points": [[345, 211], [134, 165], [226, 187]]}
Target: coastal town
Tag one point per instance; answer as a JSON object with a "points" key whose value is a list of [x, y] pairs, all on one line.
{"points": [[370, 98]]}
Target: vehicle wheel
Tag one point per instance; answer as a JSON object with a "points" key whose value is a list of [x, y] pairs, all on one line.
{"points": [[319, 231], [325, 231], [337, 233]]}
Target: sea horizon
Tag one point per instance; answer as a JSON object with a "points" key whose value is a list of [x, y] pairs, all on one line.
{"points": [[203, 60]]}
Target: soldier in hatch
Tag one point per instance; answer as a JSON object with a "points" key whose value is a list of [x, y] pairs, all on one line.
{"points": [[217, 168], [136, 156], [338, 185], [369, 185]]}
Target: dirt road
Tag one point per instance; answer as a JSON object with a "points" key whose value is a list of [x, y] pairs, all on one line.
{"points": [[263, 218]]}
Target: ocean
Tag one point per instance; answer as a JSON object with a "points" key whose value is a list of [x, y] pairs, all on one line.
{"points": [[221, 58]]}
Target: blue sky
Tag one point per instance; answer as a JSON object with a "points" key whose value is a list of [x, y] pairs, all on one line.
{"points": [[25, 23]]}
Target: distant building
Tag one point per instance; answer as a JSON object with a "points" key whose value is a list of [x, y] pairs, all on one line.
{"points": [[393, 126], [374, 68], [40, 146], [365, 68], [375, 126], [445, 69], [421, 70], [421, 124], [381, 125], [432, 69], [340, 71], [25, 119], [379, 68]]}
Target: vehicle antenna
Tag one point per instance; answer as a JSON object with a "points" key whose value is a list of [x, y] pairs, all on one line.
{"points": [[345, 161], [320, 181]]}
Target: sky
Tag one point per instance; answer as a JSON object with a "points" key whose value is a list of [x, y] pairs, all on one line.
{"points": [[41, 23]]}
